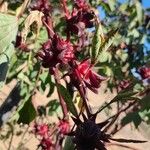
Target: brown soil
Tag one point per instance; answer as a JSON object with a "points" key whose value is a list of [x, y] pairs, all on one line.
{"points": [[129, 132]]}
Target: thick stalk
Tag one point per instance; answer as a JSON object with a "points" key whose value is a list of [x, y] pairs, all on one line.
{"points": [[82, 92], [48, 24], [62, 102]]}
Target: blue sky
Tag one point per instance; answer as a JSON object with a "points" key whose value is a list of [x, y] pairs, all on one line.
{"points": [[146, 3]]}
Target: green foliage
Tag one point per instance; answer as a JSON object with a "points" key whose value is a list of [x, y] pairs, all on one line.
{"points": [[52, 106], [46, 81], [8, 28], [139, 11], [69, 144], [68, 99], [133, 117], [27, 113], [96, 43], [117, 48], [8, 32], [4, 63]]}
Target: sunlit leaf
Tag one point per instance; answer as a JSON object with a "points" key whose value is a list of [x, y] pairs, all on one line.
{"points": [[105, 56], [139, 11], [111, 4], [108, 42], [8, 31], [96, 43], [35, 17]]}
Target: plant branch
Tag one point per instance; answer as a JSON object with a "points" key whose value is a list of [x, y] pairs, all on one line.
{"points": [[22, 8], [121, 145], [11, 138], [114, 117], [47, 22], [66, 11], [62, 102], [82, 92], [37, 80], [23, 136]]}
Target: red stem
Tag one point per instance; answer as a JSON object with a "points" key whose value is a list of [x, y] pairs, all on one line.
{"points": [[48, 24], [114, 117], [82, 92], [67, 16], [62, 102], [66, 11]]}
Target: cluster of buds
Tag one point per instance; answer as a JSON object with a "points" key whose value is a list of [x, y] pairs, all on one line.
{"points": [[42, 5], [90, 135], [56, 51], [144, 72], [43, 131], [64, 127], [81, 17], [90, 79], [123, 84], [59, 52]]}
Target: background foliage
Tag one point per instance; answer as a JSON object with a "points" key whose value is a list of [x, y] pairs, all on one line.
{"points": [[120, 45]]}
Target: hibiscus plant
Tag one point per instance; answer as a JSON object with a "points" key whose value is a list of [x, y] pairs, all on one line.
{"points": [[71, 50]]}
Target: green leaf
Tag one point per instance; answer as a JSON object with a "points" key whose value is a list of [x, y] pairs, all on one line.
{"points": [[46, 81], [96, 43], [127, 94], [145, 102], [52, 106], [27, 113], [68, 144], [132, 117], [139, 11], [105, 56], [108, 42], [107, 71], [122, 55], [4, 63], [44, 76], [145, 114], [138, 87], [111, 4], [123, 7], [24, 78], [112, 34], [68, 99], [8, 30], [41, 38]]}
